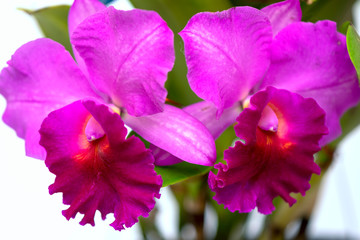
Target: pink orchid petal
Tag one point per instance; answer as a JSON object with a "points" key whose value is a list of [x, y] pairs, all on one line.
{"points": [[270, 164], [40, 78], [205, 112], [227, 53], [312, 60], [111, 174], [79, 11], [282, 14], [162, 157], [128, 55], [178, 133]]}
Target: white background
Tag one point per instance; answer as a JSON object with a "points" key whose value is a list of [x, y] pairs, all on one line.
{"points": [[27, 211]]}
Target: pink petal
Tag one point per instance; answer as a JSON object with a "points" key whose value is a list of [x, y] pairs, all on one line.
{"points": [[282, 14], [39, 79], [227, 53], [162, 157], [128, 55], [205, 112], [270, 164], [312, 60], [178, 133], [111, 174], [79, 11]]}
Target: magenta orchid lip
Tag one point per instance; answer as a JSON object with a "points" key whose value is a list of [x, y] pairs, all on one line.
{"points": [[270, 164], [97, 175]]}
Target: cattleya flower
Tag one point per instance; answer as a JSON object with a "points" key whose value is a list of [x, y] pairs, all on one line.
{"points": [[286, 74], [122, 61]]}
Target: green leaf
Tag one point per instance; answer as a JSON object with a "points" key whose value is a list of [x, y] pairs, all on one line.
{"points": [[335, 10], [353, 45], [179, 172], [53, 23]]}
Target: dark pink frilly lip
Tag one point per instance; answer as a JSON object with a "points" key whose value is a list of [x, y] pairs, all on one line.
{"points": [[110, 174], [270, 164]]}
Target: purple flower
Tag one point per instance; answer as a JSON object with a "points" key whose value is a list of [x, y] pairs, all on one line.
{"points": [[245, 51], [111, 174], [123, 58], [270, 163]]}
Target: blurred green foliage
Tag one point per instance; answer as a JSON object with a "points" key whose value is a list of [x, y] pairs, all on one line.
{"points": [[335, 10], [53, 23]]}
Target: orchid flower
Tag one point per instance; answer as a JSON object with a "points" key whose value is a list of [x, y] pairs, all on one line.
{"points": [[293, 79], [122, 61]]}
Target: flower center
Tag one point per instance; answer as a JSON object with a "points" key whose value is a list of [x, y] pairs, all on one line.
{"points": [[93, 130], [268, 120]]}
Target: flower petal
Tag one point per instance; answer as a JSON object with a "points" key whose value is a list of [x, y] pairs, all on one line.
{"points": [[205, 112], [111, 174], [227, 53], [162, 157], [80, 10], [282, 14], [312, 60], [270, 164], [178, 133], [39, 79], [128, 55]]}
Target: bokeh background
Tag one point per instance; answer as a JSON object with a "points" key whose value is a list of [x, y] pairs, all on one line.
{"points": [[27, 211]]}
